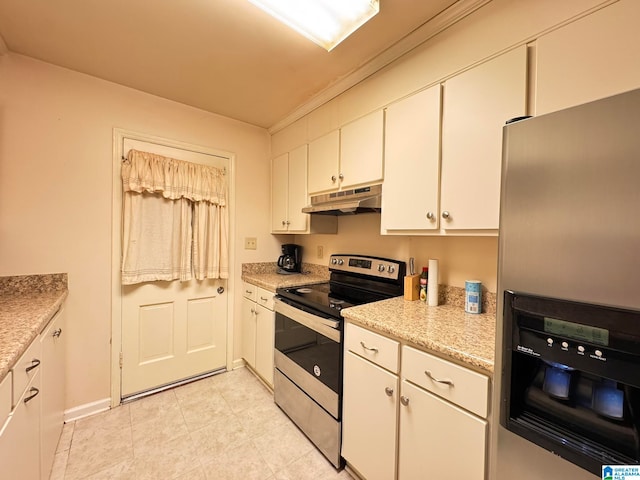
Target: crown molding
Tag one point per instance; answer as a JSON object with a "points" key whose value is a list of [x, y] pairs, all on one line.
{"points": [[428, 30]]}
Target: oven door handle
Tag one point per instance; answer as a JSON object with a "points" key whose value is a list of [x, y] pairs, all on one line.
{"points": [[325, 326]]}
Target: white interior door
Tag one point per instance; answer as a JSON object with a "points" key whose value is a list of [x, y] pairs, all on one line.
{"points": [[172, 330]]}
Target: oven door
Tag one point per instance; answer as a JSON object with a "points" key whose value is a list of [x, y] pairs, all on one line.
{"points": [[308, 350]]}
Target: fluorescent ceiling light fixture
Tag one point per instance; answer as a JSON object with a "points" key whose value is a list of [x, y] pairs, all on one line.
{"points": [[325, 22]]}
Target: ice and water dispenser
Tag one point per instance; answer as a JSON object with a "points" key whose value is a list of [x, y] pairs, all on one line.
{"points": [[571, 380]]}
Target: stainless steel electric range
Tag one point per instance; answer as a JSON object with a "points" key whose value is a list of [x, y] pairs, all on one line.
{"points": [[309, 342]]}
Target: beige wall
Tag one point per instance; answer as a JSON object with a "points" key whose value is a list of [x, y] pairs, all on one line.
{"points": [[56, 130], [459, 258]]}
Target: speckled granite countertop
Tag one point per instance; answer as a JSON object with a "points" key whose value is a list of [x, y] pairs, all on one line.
{"points": [[27, 303], [446, 329], [265, 275]]}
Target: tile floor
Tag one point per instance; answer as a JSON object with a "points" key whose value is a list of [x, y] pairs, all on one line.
{"points": [[222, 427]]}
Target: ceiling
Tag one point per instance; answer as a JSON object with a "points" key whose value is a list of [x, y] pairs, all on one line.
{"points": [[223, 56]]}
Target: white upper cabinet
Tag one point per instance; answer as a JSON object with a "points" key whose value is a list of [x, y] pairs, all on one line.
{"points": [[279, 192], [361, 149], [349, 157], [476, 105], [289, 196], [289, 192], [594, 57], [324, 158], [411, 188]]}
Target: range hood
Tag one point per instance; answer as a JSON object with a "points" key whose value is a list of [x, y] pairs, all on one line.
{"points": [[347, 202]]}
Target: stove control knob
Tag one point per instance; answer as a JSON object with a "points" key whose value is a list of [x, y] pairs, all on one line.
{"points": [[381, 268], [391, 269], [565, 345], [340, 261], [334, 261], [550, 341], [598, 353], [580, 348]]}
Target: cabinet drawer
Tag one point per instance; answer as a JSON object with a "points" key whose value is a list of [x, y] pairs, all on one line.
{"points": [[25, 369], [374, 347], [461, 386], [249, 291], [265, 298], [5, 399]]}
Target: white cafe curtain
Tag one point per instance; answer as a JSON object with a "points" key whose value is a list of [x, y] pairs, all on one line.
{"points": [[175, 220]]}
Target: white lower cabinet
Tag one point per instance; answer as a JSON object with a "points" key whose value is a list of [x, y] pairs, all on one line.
{"points": [[258, 330], [30, 435], [369, 428], [439, 438], [408, 414], [53, 344]]}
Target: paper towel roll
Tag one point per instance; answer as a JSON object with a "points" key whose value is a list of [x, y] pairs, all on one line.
{"points": [[432, 286]]}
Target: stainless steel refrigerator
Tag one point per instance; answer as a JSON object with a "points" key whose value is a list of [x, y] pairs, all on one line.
{"points": [[569, 231]]}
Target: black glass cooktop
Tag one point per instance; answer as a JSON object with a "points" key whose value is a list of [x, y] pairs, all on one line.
{"points": [[320, 296]]}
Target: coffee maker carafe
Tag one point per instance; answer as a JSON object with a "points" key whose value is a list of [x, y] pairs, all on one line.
{"points": [[291, 259]]}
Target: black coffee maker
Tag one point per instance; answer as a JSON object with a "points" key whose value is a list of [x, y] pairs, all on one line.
{"points": [[291, 259]]}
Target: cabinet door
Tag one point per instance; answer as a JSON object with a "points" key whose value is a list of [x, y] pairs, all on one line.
{"points": [[279, 192], [53, 341], [574, 65], [411, 188], [439, 438], [476, 105], [298, 198], [324, 154], [265, 332], [361, 148], [20, 439], [249, 331], [369, 418]]}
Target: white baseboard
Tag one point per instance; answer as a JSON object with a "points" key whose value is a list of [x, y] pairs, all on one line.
{"points": [[238, 363], [81, 411]]}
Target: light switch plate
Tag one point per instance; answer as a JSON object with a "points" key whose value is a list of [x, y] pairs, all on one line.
{"points": [[250, 243]]}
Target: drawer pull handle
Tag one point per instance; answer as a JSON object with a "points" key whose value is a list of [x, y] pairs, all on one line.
{"points": [[371, 349], [404, 400], [34, 363], [57, 332], [34, 393], [248, 291], [388, 391], [264, 299], [444, 382]]}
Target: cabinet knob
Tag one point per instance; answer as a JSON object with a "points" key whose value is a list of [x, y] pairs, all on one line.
{"points": [[430, 215], [341, 177], [288, 223], [446, 215], [283, 223], [220, 290], [57, 332], [404, 400], [388, 391], [333, 178], [253, 310]]}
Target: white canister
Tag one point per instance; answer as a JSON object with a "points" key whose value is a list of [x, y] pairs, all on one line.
{"points": [[473, 296]]}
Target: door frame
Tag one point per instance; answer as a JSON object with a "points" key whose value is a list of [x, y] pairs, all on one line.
{"points": [[119, 135]]}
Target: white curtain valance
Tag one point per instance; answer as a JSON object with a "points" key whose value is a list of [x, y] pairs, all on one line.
{"points": [[174, 179], [175, 220]]}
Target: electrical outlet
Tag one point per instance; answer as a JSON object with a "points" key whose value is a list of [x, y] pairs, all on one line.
{"points": [[250, 243], [320, 251]]}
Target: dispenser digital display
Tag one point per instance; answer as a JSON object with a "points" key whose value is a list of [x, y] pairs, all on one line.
{"points": [[576, 331]]}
